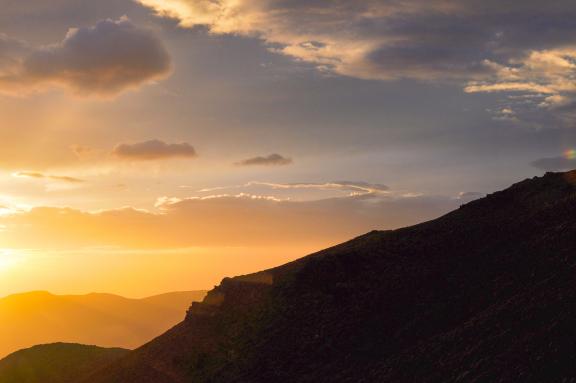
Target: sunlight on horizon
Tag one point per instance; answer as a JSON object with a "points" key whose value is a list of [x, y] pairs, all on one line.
{"points": [[8, 259], [133, 273]]}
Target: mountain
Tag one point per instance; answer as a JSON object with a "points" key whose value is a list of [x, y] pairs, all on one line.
{"points": [[56, 363], [106, 320], [486, 293]]}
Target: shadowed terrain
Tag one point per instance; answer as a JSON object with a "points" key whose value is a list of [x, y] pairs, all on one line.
{"points": [[483, 294], [106, 320], [55, 363]]}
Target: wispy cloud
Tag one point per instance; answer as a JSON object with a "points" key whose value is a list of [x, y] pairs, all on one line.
{"points": [[39, 175], [354, 187]]}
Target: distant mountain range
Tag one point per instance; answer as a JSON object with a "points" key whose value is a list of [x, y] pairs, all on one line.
{"points": [[103, 319], [486, 293], [56, 363]]}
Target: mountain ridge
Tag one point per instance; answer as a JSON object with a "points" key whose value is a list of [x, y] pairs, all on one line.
{"points": [[480, 294], [55, 363]]}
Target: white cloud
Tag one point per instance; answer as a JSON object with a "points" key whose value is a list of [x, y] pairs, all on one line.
{"points": [[349, 187]]}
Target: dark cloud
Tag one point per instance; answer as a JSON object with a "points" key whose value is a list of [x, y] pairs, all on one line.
{"points": [[555, 164], [388, 38], [482, 46], [154, 150], [269, 160], [40, 175], [103, 60]]}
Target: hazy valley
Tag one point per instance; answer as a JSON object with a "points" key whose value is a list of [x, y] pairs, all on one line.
{"points": [[105, 320]]}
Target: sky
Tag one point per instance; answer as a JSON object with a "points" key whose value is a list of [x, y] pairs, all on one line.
{"points": [[159, 145]]}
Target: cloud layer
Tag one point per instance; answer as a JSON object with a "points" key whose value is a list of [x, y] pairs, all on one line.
{"points": [[104, 60], [386, 39], [219, 220], [154, 150], [485, 46]]}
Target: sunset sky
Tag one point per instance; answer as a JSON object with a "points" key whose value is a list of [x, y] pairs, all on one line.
{"points": [[158, 145]]}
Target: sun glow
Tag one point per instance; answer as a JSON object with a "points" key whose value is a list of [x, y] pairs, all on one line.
{"points": [[5, 211], [8, 259]]}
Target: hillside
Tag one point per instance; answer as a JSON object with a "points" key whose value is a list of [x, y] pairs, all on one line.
{"points": [[103, 319], [483, 294], [55, 363]]}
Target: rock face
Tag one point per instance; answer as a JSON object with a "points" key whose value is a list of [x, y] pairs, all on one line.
{"points": [[486, 293], [56, 363]]}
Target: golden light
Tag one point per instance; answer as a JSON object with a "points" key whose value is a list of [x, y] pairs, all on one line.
{"points": [[5, 211], [8, 258]]}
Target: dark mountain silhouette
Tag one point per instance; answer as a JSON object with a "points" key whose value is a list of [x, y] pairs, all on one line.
{"points": [[486, 293], [104, 319], [56, 363]]}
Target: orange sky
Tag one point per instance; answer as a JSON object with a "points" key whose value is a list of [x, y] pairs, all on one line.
{"points": [[149, 146]]}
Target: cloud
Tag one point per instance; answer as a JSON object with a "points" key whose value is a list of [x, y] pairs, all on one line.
{"points": [[219, 220], [385, 39], [269, 160], [547, 75], [104, 60], [555, 163], [484, 46], [351, 187], [154, 150], [52, 177], [366, 39]]}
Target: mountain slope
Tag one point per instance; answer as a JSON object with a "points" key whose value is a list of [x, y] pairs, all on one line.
{"points": [[55, 363], [485, 293], [106, 320]]}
